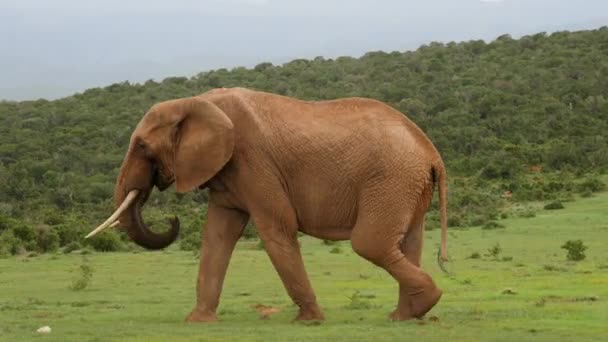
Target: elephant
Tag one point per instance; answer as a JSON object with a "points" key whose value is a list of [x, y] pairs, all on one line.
{"points": [[341, 169]]}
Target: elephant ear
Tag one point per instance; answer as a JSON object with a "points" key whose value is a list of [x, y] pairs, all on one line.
{"points": [[205, 141]]}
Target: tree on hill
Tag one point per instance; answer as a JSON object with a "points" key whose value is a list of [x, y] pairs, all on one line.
{"points": [[495, 110]]}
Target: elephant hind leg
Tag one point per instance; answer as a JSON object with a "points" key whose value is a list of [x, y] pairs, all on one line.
{"points": [[413, 239], [411, 246], [378, 237], [412, 242]]}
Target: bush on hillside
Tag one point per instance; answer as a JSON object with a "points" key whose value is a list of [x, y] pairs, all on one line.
{"points": [[107, 241], [554, 205]]}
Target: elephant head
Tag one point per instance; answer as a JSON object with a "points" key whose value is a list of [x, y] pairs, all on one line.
{"points": [[186, 142]]}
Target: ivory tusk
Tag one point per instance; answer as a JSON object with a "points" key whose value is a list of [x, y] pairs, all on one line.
{"points": [[110, 222], [116, 223]]}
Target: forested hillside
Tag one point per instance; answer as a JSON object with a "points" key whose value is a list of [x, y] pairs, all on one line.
{"points": [[526, 117]]}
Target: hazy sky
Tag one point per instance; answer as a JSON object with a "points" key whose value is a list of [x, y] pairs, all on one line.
{"points": [[55, 48]]}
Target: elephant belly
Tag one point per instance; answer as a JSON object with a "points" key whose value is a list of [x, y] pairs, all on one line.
{"points": [[326, 212]]}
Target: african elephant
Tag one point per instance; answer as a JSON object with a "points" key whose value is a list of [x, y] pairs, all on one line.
{"points": [[338, 169]]}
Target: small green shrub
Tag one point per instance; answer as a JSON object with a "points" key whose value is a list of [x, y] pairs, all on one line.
{"points": [[477, 221], [528, 214], [108, 241], [553, 268], [472, 204], [492, 225], [336, 250], [191, 242], [358, 302], [47, 240], [21, 250], [555, 205], [432, 220], [590, 184], [509, 291], [69, 232], [475, 255], [195, 253], [495, 251], [455, 220], [501, 165], [53, 217], [24, 232], [250, 232], [431, 225], [83, 279], [260, 245], [4, 252], [5, 223], [576, 250], [72, 246], [10, 243], [525, 212]]}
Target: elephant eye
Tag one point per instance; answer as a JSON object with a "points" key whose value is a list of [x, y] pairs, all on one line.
{"points": [[142, 146]]}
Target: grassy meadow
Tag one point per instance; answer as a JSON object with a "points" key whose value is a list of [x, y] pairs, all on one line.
{"points": [[525, 291]]}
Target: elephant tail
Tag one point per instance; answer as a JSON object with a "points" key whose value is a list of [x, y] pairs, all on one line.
{"points": [[440, 177]]}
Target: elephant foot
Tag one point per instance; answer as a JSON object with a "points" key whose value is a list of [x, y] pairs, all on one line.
{"points": [[310, 314], [201, 316], [416, 305], [399, 315]]}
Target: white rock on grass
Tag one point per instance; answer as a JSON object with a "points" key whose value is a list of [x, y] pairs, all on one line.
{"points": [[44, 330]]}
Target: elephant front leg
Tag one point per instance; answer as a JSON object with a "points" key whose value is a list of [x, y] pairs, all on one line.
{"points": [[223, 229]]}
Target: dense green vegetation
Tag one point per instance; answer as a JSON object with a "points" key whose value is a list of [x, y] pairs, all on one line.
{"points": [[512, 284], [515, 120]]}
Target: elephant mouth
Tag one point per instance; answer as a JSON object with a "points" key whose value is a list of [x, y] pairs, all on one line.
{"points": [[161, 180], [163, 185]]}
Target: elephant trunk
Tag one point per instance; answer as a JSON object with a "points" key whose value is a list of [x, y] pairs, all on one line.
{"points": [[141, 175], [140, 233]]}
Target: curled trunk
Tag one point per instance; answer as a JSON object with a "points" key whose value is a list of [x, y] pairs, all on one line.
{"points": [[139, 173], [140, 233]]}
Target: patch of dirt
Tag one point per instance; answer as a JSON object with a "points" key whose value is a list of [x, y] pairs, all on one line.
{"points": [[265, 311], [45, 314]]}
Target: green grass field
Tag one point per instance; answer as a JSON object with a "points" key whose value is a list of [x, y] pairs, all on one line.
{"points": [[538, 295]]}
